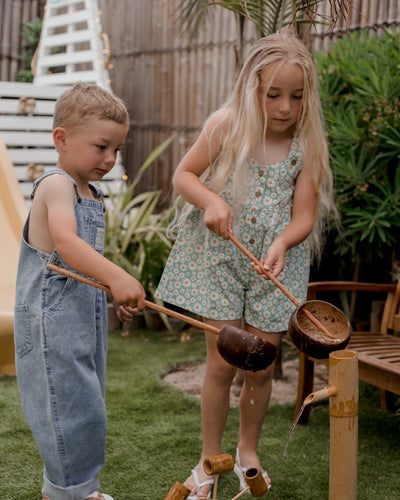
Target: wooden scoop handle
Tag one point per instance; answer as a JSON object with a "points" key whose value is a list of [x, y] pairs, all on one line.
{"points": [[281, 287], [150, 305]]}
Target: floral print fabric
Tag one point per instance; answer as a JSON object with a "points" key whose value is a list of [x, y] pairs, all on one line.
{"points": [[211, 277]]}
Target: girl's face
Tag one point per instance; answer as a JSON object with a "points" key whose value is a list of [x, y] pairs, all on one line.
{"points": [[281, 97]]}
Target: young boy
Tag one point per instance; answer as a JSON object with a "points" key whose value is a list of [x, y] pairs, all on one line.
{"points": [[61, 324]]}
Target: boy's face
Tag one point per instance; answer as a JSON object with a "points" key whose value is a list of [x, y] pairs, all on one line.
{"points": [[91, 150]]}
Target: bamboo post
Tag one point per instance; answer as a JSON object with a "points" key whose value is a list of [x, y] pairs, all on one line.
{"points": [[343, 411]]}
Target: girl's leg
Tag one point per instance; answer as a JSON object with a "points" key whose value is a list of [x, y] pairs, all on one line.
{"points": [[254, 401], [214, 403]]}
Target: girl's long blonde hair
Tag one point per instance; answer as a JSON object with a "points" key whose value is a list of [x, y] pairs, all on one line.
{"points": [[245, 122]]}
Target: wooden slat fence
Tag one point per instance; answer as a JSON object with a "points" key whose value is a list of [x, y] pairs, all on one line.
{"points": [[169, 82], [13, 14]]}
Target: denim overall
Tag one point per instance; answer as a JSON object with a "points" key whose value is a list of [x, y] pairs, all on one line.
{"points": [[60, 332]]}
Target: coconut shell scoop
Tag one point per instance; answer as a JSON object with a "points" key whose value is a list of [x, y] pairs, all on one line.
{"points": [[238, 347], [316, 327]]}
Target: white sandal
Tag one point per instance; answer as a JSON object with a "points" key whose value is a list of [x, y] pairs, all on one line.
{"points": [[200, 485], [240, 471]]}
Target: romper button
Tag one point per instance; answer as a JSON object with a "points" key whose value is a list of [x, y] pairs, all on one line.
{"points": [[294, 161], [251, 241], [253, 220], [261, 173], [258, 194]]}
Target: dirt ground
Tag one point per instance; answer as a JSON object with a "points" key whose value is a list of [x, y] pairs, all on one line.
{"points": [[189, 377]]}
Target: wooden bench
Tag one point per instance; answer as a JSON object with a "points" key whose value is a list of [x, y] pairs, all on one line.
{"points": [[26, 121], [378, 352]]}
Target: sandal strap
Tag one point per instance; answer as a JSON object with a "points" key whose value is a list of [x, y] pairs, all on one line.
{"points": [[197, 482]]}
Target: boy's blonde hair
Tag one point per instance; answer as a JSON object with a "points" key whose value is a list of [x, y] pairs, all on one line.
{"points": [[245, 122], [84, 101]]}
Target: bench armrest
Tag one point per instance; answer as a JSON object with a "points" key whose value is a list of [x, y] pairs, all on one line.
{"points": [[323, 286]]}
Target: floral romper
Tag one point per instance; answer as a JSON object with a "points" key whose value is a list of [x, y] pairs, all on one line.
{"points": [[211, 277]]}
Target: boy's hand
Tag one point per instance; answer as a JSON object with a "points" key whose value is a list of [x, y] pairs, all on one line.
{"points": [[124, 313], [128, 292]]}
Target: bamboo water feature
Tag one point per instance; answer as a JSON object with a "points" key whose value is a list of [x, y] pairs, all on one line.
{"points": [[343, 420], [219, 464]]}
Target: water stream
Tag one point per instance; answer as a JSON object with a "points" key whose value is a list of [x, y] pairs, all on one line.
{"points": [[295, 422]]}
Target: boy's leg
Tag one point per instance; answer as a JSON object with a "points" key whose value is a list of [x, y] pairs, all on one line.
{"points": [[76, 362], [62, 390]]}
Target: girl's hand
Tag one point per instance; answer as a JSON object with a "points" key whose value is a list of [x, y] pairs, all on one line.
{"points": [[275, 260], [218, 217]]}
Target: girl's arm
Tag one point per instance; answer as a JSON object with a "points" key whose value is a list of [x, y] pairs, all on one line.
{"points": [[58, 196], [218, 216], [305, 201]]}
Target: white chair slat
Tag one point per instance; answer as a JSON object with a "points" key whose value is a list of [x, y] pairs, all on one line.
{"points": [[21, 173], [10, 106], [65, 3], [113, 179], [26, 189], [14, 122], [34, 155], [64, 58], [18, 89], [24, 139], [115, 174], [61, 39], [70, 78], [68, 19]]}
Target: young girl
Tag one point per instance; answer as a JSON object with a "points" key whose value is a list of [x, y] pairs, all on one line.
{"points": [[260, 170]]}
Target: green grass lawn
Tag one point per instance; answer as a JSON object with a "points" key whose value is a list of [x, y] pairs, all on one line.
{"points": [[154, 434]]}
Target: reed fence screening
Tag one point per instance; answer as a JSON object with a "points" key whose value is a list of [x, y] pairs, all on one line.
{"points": [[169, 81]]}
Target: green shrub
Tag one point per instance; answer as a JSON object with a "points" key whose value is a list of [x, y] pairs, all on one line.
{"points": [[360, 94], [135, 237]]}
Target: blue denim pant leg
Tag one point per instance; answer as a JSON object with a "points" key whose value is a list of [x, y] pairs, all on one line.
{"points": [[62, 385]]}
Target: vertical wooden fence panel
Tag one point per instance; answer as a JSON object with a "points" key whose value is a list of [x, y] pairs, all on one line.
{"points": [[13, 14], [170, 82], [372, 15]]}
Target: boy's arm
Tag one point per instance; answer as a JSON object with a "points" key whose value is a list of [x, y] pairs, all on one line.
{"points": [[58, 197]]}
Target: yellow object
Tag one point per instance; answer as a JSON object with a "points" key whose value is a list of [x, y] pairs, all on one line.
{"points": [[13, 212], [343, 424]]}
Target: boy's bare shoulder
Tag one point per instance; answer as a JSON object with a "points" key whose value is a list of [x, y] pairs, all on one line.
{"points": [[54, 195], [55, 184]]}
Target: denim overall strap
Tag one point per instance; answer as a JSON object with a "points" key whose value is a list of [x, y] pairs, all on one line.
{"points": [[61, 344]]}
